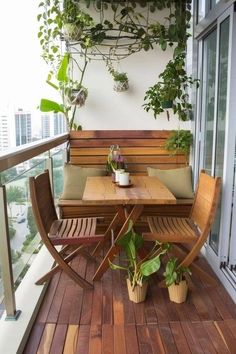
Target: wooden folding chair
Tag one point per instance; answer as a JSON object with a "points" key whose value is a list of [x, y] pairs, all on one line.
{"points": [[188, 235], [72, 234]]}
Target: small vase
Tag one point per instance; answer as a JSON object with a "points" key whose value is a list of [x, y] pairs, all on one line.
{"points": [[178, 292], [138, 293]]}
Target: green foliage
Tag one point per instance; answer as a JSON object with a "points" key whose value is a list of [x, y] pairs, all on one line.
{"points": [[14, 194], [139, 269], [173, 87], [15, 255], [174, 273], [179, 141], [12, 231], [118, 76], [139, 30], [65, 86], [31, 223]]}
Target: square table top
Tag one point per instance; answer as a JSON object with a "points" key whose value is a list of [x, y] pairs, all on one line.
{"points": [[144, 190]]}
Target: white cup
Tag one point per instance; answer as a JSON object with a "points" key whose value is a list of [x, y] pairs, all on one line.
{"points": [[117, 173], [124, 179]]}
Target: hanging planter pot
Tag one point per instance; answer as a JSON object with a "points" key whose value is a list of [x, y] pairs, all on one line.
{"points": [[71, 31], [138, 293], [77, 96], [121, 82], [167, 104], [120, 86]]}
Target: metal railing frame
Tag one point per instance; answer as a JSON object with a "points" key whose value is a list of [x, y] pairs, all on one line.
{"points": [[8, 160]]}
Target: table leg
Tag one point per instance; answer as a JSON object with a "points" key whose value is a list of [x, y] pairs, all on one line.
{"points": [[114, 249], [118, 219]]}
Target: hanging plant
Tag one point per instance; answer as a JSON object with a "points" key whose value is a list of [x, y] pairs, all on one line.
{"points": [[173, 87], [65, 86], [180, 141], [129, 25]]}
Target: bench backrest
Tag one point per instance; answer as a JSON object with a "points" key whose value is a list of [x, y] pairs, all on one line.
{"points": [[140, 149]]}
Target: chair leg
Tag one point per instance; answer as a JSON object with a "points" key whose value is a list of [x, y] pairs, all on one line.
{"points": [[62, 265]]}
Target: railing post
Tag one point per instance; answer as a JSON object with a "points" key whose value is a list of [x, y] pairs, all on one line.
{"points": [[5, 256]]}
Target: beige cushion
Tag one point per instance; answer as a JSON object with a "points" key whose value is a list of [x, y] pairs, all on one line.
{"points": [[178, 181], [75, 179]]}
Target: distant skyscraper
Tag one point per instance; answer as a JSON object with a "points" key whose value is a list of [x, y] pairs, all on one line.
{"points": [[46, 125], [59, 124], [4, 132], [23, 127]]}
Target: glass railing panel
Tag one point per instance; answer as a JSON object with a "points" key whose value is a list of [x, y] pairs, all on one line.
{"points": [[24, 238], [58, 157]]}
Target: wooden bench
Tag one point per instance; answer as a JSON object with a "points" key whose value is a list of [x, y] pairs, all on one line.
{"points": [[139, 148]]}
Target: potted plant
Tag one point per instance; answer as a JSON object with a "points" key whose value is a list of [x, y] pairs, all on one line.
{"points": [[175, 280], [172, 88], [115, 161], [121, 82], [74, 20], [65, 86], [180, 141], [138, 270], [77, 94]]}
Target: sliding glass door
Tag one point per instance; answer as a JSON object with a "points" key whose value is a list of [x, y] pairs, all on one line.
{"points": [[216, 137]]}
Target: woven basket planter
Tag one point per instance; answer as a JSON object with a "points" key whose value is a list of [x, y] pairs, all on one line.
{"points": [[138, 293], [178, 292]]}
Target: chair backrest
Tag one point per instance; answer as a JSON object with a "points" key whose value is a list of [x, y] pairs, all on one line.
{"points": [[204, 209], [42, 202]]}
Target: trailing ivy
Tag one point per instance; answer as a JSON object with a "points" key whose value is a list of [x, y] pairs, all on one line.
{"points": [[131, 21]]}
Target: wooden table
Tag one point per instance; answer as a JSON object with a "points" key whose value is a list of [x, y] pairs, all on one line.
{"points": [[144, 190]]}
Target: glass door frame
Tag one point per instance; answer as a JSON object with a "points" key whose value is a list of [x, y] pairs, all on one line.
{"points": [[230, 134]]}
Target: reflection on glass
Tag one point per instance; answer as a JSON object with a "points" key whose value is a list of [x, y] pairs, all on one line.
{"points": [[209, 50], [204, 6], [221, 117], [58, 163]]}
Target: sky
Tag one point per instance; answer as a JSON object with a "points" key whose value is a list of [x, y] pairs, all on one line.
{"points": [[23, 71]]}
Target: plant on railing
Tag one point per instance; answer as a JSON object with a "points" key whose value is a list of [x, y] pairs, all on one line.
{"points": [[139, 270]]}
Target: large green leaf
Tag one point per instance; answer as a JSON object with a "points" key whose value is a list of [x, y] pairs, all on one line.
{"points": [[50, 106], [62, 71], [150, 266]]}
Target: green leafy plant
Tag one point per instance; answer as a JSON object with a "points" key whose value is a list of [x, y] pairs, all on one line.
{"points": [[65, 86], [174, 273], [139, 270], [139, 30], [173, 87], [179, 141], [118, 76]]}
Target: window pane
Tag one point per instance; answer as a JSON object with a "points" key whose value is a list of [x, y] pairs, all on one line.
{"points": [[208, 95], [221, 117]]}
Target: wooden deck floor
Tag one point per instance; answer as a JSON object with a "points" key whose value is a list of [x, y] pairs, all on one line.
{"points": [[104, 321]]}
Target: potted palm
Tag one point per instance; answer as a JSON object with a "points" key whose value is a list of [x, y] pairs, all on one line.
{"points": [[176, 281], [138, 269]]}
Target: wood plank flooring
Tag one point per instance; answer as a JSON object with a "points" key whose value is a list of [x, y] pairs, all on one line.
{"points": [[104, 321]]}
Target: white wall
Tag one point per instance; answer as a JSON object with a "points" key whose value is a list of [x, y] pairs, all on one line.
{"points": [[107, 109]]}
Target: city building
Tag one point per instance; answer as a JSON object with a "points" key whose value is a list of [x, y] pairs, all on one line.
{"points": [[4, 132], [23, 126], [52, 124]]}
